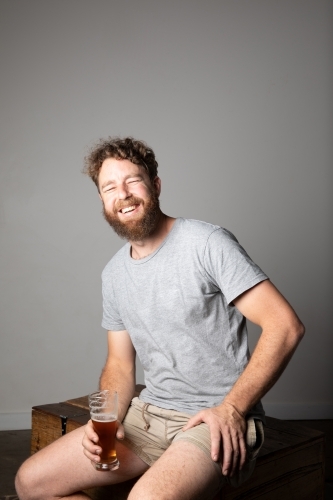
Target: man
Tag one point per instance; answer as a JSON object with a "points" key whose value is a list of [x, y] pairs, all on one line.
{"points": [[177, 295]]}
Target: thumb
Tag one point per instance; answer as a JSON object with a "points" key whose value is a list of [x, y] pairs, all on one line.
{"points": [[120, 434], [195, 420]]}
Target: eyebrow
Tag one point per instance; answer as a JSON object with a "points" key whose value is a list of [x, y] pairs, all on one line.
{"points": [[107, 183]]}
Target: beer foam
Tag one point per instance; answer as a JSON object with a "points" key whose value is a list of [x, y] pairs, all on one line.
{"points": [[103, 417]]}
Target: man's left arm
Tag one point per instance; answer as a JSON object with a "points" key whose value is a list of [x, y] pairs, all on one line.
{"points": [[281, 332]]}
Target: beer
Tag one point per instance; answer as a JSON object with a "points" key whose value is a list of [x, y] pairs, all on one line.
{"points": [[104, 412]]}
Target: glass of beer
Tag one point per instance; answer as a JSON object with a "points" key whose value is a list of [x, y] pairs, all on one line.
{"points": [[103, 407]]}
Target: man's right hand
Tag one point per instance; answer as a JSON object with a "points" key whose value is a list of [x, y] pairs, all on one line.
{"points": [[90, 440], [91, 449]]}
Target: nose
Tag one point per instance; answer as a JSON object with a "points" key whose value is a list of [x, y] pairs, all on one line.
{"points": [[123, 192]]}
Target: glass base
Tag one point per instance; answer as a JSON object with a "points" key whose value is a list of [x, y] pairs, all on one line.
{"points": [[113, 466]]}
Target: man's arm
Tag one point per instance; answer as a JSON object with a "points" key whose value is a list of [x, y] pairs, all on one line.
{"points": [[281, 332], [118, 375]]}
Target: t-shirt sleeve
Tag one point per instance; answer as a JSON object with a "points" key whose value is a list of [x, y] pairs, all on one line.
{"points": [[228, 265], [111, 317]]}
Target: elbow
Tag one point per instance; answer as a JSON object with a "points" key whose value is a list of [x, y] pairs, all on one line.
{"points": [[298, 331]]}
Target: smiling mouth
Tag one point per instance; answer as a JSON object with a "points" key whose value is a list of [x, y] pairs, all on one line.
{"points": [[126, 210]]}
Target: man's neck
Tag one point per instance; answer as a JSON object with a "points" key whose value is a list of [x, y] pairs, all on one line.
{"points": [[141, 249]]}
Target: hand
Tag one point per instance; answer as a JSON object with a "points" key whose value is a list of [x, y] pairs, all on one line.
{"points": [[227, 430], [90, 440], [90, 443]]}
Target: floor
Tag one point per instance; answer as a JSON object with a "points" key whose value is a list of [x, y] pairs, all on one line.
{"points": [[15, 448]]}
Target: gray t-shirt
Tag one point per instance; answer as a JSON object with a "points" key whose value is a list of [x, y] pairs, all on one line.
{"points": [[176, 305]]}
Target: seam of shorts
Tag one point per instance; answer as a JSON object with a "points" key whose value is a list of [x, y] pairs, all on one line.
{"points": [[138, 451], [191, 439], [167, 421], [166, 440]]}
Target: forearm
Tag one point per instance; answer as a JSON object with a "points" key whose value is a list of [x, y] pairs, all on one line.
{"points": [[115, 377], [270, 357]]}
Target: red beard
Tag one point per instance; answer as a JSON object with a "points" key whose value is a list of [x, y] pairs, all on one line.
{"points": [[137, 229]]}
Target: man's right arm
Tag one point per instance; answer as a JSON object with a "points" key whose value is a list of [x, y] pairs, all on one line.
{"points": [[118, 375], [119, 371]]}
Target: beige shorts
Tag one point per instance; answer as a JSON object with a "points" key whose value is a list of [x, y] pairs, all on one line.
{"points": [[150, 430]]}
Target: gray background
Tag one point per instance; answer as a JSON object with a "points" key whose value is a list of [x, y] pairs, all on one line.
{"points": [[234, 96]]}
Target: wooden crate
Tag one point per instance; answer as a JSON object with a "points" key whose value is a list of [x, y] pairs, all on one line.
{"points": [[51, 421], [290, 465]]}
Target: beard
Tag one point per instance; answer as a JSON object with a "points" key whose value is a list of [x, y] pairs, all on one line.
{"points": [[139, 229]]}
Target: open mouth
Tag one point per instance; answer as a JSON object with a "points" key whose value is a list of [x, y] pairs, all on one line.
{"points": [[127, 210]]}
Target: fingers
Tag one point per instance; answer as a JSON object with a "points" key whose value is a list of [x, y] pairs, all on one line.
{"points": [[90, 443], [221, 440], [227, 437], [234, 453], [195, 420], [227, 455], [215, 438], [242, 449]]}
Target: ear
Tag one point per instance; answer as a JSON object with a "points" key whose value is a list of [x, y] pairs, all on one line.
{"points": [[157, 185]]}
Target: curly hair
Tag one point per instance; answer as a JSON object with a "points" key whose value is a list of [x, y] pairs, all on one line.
{"points": [[122, 149]]}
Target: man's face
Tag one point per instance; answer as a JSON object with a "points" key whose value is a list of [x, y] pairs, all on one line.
{"points": [[130, 199]]}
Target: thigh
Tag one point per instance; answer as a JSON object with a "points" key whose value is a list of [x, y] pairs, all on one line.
{"points": [[61, 468], [184, 472], [200, 436]]}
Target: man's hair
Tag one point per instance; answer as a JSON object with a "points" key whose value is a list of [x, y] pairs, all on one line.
{"points": [[121, 149]]}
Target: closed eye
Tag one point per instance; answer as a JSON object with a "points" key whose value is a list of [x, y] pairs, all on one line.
{"points": [[133, 181]]}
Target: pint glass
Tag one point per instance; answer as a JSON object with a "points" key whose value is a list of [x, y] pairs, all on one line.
{"points": [[103, 407]]}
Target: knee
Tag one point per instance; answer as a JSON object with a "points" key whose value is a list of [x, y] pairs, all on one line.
{"points": [[21, 483], [24, 483]]}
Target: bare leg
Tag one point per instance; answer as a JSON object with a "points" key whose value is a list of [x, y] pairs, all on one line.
{"points": [[184, 472], [61, 470]]}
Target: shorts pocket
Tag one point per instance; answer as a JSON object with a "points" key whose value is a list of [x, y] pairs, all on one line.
{"points": [[254, 437]]}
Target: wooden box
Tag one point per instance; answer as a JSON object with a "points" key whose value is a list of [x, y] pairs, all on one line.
{"points": [[51, 421], [290, 465]]}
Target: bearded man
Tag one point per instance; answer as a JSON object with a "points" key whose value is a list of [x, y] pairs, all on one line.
{"points": [[177, 294]]}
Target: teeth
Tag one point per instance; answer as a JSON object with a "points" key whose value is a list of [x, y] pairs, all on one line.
{"points": [[127, 209]]}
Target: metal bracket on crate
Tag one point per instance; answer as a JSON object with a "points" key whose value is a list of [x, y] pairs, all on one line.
{"points": [[63, 424], [64, 421]]}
